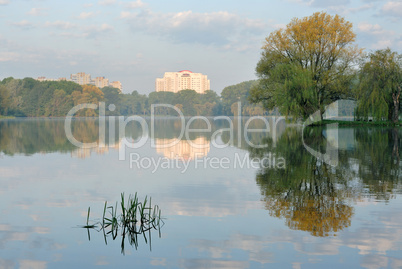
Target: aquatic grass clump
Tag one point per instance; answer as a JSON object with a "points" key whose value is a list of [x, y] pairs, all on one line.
{"points": [[136, 218], [140, 212], [88, 225]]}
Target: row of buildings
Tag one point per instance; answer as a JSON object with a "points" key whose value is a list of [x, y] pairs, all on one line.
{"points": [[183, 80], [83, 79], [171, 81]]}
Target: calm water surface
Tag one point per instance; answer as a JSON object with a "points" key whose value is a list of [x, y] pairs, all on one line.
{"points": [[296, 213]]}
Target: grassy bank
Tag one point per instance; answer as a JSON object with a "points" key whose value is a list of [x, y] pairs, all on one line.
{"points": [[6, 117], [358, 123]]}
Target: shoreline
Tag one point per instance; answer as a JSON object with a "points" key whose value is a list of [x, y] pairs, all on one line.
{"points": [[358, 123]]}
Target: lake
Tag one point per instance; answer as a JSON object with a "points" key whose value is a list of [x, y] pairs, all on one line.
{"points": [[225, 202]]}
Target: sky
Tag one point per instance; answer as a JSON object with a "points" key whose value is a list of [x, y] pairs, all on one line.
{"points": [[135, 42]]}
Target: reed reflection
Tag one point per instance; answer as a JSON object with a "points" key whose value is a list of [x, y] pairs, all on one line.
{"points": [[136, 218]]}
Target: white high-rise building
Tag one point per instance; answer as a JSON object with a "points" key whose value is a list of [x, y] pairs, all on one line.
{"points": [[183, 80], [101, 82], [116, 84], [81, 78]]}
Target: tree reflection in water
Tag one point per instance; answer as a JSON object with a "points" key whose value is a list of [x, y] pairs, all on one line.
{"points": [[315, 197]]}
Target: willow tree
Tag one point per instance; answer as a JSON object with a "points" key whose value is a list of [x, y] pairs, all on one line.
{"points": [[379, 93], [307, 65]]}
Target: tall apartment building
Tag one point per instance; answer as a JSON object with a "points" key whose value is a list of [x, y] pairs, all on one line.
{"points": [[41, 79], [81, 78], [183, 80], [116, 84], [101, 82], [85, 79]]}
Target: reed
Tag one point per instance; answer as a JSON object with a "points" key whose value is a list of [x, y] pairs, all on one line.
{"points": [[89, 226], [135, 218]]}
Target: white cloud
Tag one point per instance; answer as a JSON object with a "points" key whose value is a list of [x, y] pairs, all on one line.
{"points": [[4, 2], [86, 15], [102, 261], [36, 11], [7, 172], [370, 28], [279, 26], [84, 31], [32, 264], [94, 31], [322, 3], [125, 14], [375, 29], [376, 36], [343, 10], [253, 245], [61, 25], [41, 230], [107, 2], [382, 44], [392, 8], [329, 3], [215, 28], [24, 24], [69, 35], [135, 4], [106, 27]]}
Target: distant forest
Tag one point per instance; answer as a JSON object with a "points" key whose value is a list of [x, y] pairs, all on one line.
{"points": [[31, 98]]}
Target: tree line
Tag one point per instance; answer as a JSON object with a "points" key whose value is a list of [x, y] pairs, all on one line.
{"points": [[31, 98]]}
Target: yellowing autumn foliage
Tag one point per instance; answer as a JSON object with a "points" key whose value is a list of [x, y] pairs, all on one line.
{"points": [[307, 65], [90, 95]]}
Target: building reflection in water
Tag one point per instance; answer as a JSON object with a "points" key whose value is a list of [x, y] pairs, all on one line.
{"points": [[100, 149], [183, 149]]}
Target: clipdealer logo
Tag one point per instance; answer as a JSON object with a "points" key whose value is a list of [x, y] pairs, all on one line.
{"points": [[330, 156]]}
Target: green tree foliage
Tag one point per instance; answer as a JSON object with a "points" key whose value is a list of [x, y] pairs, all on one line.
{"points": [[134, 104], [189, 102], [4, 100], [60, 104], [307, 65], [189, 99], [162, 98], [379, 92], [236, 93], [112, 97], [32, 98], [29, 97], [209, 97]]}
